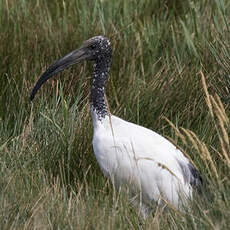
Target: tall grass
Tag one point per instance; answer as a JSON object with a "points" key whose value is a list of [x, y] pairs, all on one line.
{"points": [[170, 73]]}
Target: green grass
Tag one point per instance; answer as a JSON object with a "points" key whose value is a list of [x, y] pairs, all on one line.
{"points": [[174, 56]]}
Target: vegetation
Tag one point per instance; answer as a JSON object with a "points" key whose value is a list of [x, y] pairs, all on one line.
{"points": [[170, 73]]}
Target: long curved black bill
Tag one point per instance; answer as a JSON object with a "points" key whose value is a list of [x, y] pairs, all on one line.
{"points": [[61, 64]]}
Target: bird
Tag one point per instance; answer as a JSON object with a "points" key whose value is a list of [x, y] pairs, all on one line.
{"points": [[154, 170]]}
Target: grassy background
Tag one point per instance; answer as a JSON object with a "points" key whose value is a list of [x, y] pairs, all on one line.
{"points": [[170, 73]]}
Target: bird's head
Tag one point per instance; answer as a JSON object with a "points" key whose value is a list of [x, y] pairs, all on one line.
{"points": [[95, 49]]}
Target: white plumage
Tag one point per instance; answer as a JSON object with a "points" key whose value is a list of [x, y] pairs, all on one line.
{"points": [[142, 159], [130, 155]]}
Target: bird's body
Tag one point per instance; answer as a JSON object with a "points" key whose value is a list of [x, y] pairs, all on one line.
{"points": [[131, 155], [142, 160]]}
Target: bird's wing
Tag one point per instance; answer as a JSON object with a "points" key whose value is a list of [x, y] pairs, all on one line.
{"points": [[146, 145]]}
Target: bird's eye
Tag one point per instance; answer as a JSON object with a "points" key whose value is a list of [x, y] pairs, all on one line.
{"points": [[93, 46]]}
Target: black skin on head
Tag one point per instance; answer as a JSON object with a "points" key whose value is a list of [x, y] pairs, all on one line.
{"points": [[96, 49]]}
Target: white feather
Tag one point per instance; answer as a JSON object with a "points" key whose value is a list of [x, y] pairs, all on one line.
{"points": [[143, 160]]}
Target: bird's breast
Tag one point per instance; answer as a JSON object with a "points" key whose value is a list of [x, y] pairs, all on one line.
{"points": [[115, 159]]}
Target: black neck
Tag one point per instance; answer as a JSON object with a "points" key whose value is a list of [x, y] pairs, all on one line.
{"points": [[97, 99]]}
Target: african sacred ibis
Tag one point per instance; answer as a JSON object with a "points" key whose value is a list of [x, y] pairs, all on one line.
{"points": [[129, 154]]}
